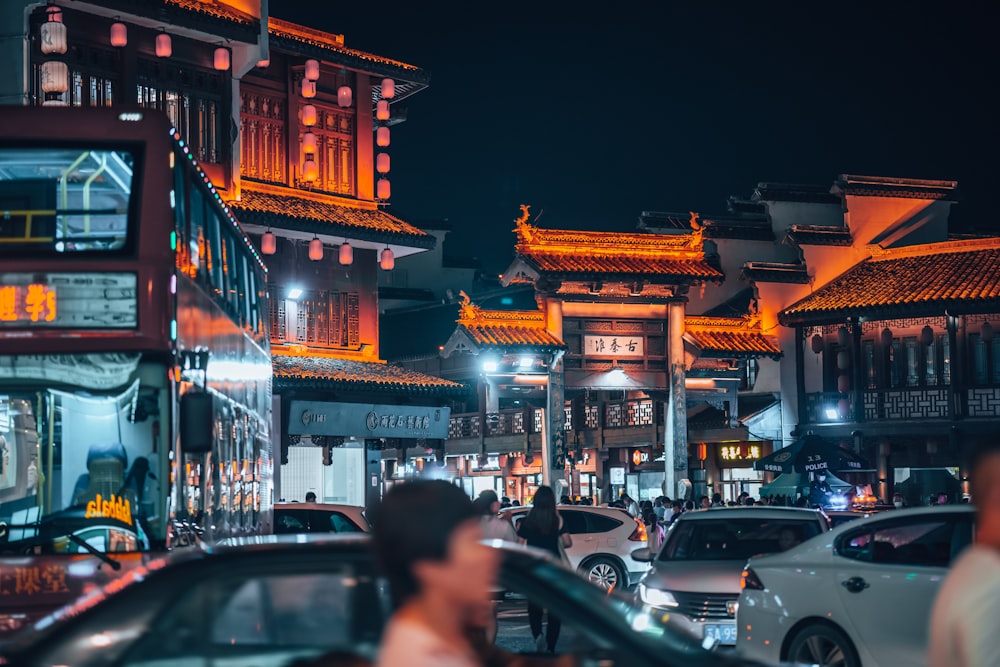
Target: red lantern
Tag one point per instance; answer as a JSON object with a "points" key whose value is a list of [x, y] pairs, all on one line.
{"points": [[315, 249], [346, 255], [344, 96], [119, 34], [387, 261], [382, 163], [266, 62], [388, 89], [221, 59], [163, 45], [382, 137], [268, 243], [309, 143], [312, 70], [308, 88], [310, 171], [308, 115], [816, 343], [383, 190], [382, 110]]}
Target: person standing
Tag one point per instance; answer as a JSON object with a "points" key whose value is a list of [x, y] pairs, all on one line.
{"points": [[310, 497], [494, 527], [967, 606], [630, 505], [543, 528]]}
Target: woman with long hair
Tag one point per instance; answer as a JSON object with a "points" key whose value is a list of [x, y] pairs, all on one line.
{"points": [[543, 529]]}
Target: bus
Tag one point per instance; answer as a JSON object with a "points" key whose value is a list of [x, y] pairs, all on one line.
{"points": [[135, 368]]}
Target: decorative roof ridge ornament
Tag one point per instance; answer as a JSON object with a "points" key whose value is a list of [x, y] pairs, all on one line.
{"points": [[710, 322], [525, 231], [471, 314], [466, 309]]}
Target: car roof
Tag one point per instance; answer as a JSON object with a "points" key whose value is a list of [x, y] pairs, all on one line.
{"points": [[902, 513], [613, 511], [761, 511], [317, 506]]}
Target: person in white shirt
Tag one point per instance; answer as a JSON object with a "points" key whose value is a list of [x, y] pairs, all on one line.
{"points": [[630, 505], [966, 611], [427, 538], [495, 527]]}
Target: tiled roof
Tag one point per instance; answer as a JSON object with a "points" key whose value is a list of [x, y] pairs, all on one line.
{"points": [[300, 210], [729, 337], [325, 372], [795, 192], [505, 328], [750, 225], [906, 188], [957, 276], [819, 235], [224, 22], [594, 254], [213, 9], [775, 272]]}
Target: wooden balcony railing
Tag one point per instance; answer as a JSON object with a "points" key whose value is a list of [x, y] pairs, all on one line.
{"points": [[904, 403], [637, 413]]}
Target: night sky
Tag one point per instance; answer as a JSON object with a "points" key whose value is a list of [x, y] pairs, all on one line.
{"points": [[593, 119]]}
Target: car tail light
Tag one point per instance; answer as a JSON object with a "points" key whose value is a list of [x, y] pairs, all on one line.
{"points": [[750, 580], [639, 534]]}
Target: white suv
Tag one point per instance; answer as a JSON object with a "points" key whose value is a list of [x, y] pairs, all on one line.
{"points": [[603, 540]]}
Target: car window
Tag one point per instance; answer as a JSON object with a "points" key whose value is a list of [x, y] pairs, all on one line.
{"points": [[574, 521], [339, 523], [290, 521], [735, 538], [598, 523], [921, 541]]}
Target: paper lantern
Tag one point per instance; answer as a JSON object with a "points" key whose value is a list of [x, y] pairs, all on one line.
{"points": [[119, 34], [163, 45], [344, 96], [268, 243], [53, 32], [886, 337], [816, 343], [312, 69], [926, 335], [308, 115], [309, 143], [266, 62], [843, 360], [387, 260], [843, 336], [346, 254], [383, 190], [308, 88], [221, 59], [315, 249], [310, 170], [382, 110], [843, 383], [986, 332], [382, 136], [388, 89], [382, 163], [55, 77]]}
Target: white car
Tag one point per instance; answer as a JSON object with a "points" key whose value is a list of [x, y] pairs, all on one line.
{"points": [[293, 518], [603, 540], [858, 596]]}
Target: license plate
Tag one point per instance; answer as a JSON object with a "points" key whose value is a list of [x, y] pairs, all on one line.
{"points": [[724, 634]]}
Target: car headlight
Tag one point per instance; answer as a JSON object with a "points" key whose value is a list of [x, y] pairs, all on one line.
{"points": [[654, 597]]}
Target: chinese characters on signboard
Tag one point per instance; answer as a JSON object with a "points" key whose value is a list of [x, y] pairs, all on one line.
{"points": [[741, 452], [613, 346], [27, 303]]}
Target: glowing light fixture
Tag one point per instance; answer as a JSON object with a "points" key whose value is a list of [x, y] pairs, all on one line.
{"points": [[382, 136], [346, 255], [344, 96], [164, 48], [55, 77], [382, 110], [308, 88], [53, 32], [308, 115], [312, 70], [490, 366], [294, 293], [119, 34], [387, 260], [383, 189], [388, 89], [308, 142], [221, 59], [382, 163], [266, 62], [268, 243], [310, 170], [315, 249]]}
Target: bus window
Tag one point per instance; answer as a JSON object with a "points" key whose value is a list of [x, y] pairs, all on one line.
{"points": [[199, 250], [216, 260], [245, 286]]}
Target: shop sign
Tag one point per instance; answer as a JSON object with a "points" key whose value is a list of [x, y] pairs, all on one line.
{"points": [[491, 463], [112, 507], [741, 452], [618, 476], [367, 419], [639, 457], [613, 346]]}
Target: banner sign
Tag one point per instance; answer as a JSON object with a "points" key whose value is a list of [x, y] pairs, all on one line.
{"points": [[368, 420]]}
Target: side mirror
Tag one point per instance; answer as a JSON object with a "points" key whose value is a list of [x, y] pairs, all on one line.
{"points": [[196, 422], [643, 555]]}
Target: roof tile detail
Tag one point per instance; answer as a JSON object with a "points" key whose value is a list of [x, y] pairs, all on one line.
{"points": [[505, 328], [328, 41], [957, 275], [730, 336], [214, 9], [316, 370]]}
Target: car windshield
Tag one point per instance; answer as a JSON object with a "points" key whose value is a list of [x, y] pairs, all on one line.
{"points": [[735, 538]]}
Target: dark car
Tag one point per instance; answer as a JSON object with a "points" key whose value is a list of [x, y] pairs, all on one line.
{"points": [[268, 601]]}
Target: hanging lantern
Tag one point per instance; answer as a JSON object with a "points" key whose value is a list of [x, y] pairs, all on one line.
{"points": [[344, 96], [843, 336], [266, 62], [388, 89], [55, 77], [382, 163], [843, 360], [816, 343], [163, 46], [221, 60], [312, 70], [268, 243], [119, 34], [315, 249], [308, 88], [308, 115], [986, 332], [843, 383], [387, 260], [844, 408], [382, 110], [926, 335], [382, 136], [309, 143], [383, 190], [886, 337], [53, 32], [310, 172], [346, 255]]}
